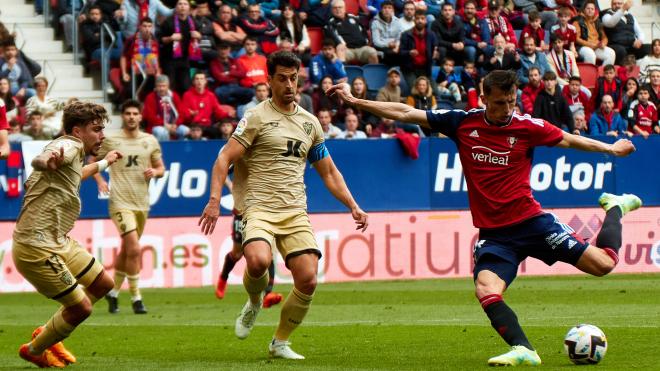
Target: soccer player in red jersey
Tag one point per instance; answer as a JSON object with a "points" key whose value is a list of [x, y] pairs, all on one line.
{"points": [[495, 147], [4, 131]]}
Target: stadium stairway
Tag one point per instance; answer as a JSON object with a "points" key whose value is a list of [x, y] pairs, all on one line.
{"points": [[38, 42]]}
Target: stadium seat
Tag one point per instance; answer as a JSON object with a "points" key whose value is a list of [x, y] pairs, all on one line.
{"points": [[315, 39], [589, 74], [435, 71], [518, 33], [352, 7], [403, 84], [352, 72], [375, 75]]}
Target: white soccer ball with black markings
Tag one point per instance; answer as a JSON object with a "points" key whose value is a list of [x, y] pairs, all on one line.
{"points": [[585, 344]]}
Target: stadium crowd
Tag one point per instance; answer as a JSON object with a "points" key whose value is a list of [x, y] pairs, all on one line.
{"points": [[199, 65]]}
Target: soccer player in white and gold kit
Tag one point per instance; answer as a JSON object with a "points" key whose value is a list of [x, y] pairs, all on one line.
{"points": [[129, 197], [270, 149], [56, 265]]}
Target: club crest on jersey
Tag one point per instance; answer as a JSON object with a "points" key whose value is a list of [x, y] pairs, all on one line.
{"points": [[308, 127], [512, 141]]}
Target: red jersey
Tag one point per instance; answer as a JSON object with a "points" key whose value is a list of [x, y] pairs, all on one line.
{"points": [[200, 108], [568, 35], [497, 162], [255, 68], [4, 125], [645, 116], [537, 34]]}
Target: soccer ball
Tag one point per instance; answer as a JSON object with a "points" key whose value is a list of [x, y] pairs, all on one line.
{"points": [[585, 344]]}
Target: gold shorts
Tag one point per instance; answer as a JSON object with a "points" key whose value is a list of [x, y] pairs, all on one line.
{"points": [[128, 221], [290, 232], [56, 272]]}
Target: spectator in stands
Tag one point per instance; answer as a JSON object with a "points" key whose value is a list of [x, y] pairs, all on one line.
{"points": [[90, 30], [253, 63], [196, 133], [260, 94], [421, 96], [227, 31], [15, 133], [303, 99], [49, 108], [606, 121], [347, 32], [131, 13], [141, 50], [291, 26], [16, 71], [650, 62], [624, 34], [561, 62], [161, 110], [531, 90], [331, 103], [352, 132], [200, 106], [326, 63], [580, 120], [226, 129], [477, 34], [329, 130], [317, 13], [11, 103], [64, 14], [451, 36], [548, 16], [448, 81], [630, 90], [35, 127], [180, 46], [534, 30], [643, 114], [360, 90], [386, 128], [269, 8], [577, 98], [262, 29], [609, 84], [407, 18], [228, 73], [591, 37], [503, 58], [386, 30], [471, 82], [391, 92], [551, 106], [499, 25], [654, 87], [204, 20], [531, 58], [565, 30], [418, 50]]}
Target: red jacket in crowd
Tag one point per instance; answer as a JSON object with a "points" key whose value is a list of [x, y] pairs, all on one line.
{"points": [[155, 109], [231, 72], [200, 108], [528, 97], [256, 70], [581, 98]]}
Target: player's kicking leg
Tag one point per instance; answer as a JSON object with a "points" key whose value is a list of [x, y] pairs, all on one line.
{"points": [[304, 269], [601, 259], [490, 272], [231, 259], [258, 257]]}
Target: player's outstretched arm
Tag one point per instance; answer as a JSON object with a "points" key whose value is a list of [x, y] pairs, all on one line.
{"points": [[232, 151], [4, 144], [334, 181], [391, 110], [622, 147], [99, 166]]}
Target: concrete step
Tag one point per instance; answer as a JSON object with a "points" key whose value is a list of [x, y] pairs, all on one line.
{"points": [[16, 9], [25, 21], [54, 58], [91, 95], [70, 83], [42, 46], [33, 33]]}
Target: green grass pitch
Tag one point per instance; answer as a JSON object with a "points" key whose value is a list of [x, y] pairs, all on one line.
{"points": [[401, 325]]}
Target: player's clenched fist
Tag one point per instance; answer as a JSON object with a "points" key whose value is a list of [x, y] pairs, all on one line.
{"points": [[113, 156], [623, 147], [55, 160]]}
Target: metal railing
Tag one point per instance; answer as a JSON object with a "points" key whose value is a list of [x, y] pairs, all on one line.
{"points": [[134, 91], [51, 80], [18, 28], [105, 57], [74, 32], [46, 11]]}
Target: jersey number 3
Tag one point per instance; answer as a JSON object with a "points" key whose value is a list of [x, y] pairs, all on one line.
{"points": [[292, 148]]}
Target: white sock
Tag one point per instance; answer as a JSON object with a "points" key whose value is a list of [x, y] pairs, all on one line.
{"points": [[113, 293]]}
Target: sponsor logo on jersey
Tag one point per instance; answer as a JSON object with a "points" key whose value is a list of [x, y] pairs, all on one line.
{"points": [[491, 156]]}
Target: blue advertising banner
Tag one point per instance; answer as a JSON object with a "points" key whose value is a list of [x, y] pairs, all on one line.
{"points": [[383, 178]]}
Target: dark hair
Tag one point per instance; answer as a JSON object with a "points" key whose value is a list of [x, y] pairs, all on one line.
{"points": [[500, 79], [284, 59], [533, 68], [473, 2], [130, 103], [81, 114], [446, 4], [250, 38], [297, 25], [420, 12], [146, 20], [199, 72], [575, 78], [643, 88], [10, 104], [366, 88], [533, 16], [609, 67], [95, 6], [327, 42], [387, 2], [448, 59], [408, 2], [35, 113], [9, 42], [549, 76], [554, 38]]}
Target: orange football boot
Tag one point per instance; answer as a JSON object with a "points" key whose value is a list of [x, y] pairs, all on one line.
{"points": [[58, 349], [44, 360]]}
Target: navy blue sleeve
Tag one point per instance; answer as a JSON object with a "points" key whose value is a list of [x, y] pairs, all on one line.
{"points": [[445, 121]]}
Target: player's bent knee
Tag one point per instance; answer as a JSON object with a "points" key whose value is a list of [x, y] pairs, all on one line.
{"points": [[77, 313], [306, 285], [257, 264], [488, 283]]}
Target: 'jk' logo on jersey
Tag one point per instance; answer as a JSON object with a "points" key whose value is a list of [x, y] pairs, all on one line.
{"points": [[292, 148], [131, 161]]}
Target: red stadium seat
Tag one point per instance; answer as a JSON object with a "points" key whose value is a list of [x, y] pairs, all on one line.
{"points": [[589, 74], [352, 6], [315, 39]]}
